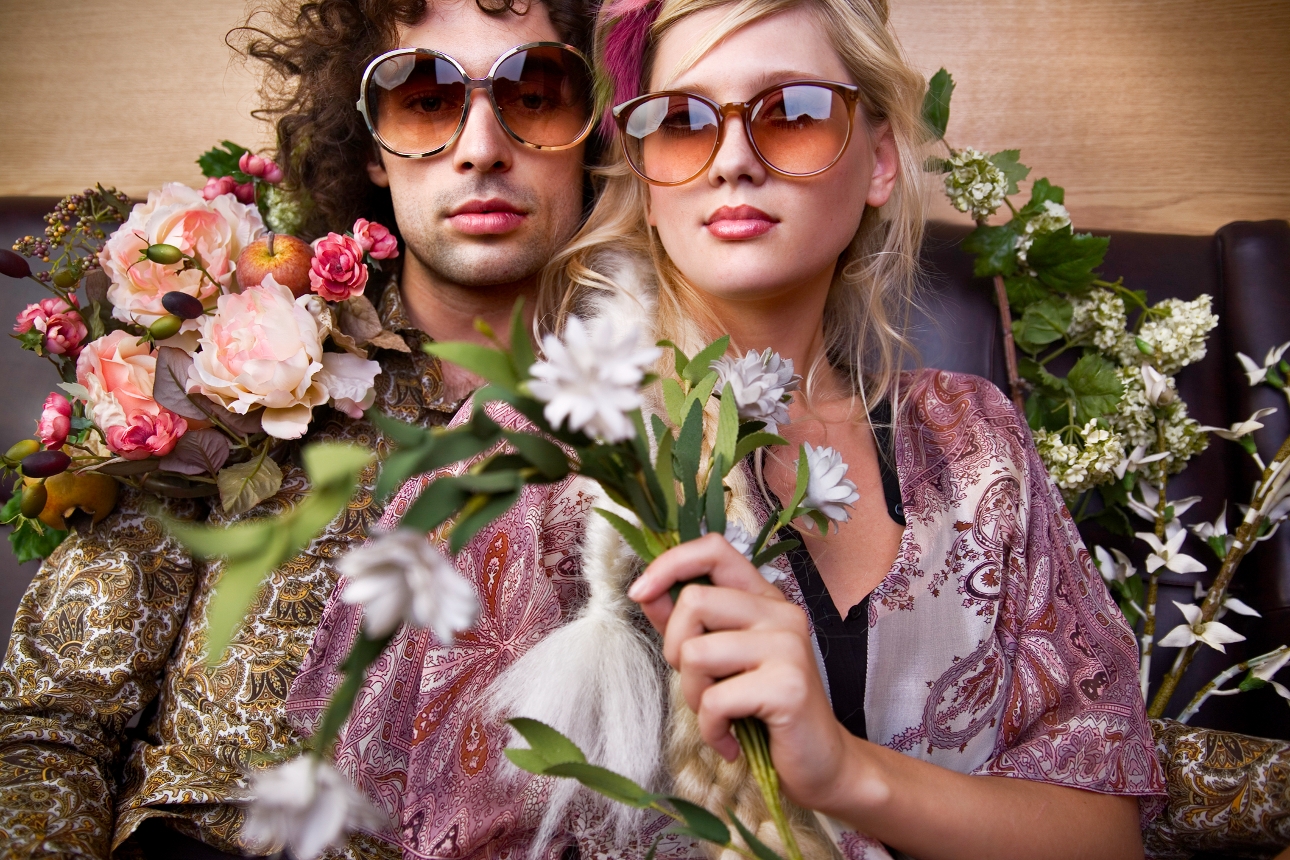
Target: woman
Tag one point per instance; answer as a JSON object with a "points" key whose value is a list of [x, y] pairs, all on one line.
{"points": [[954, 619]]}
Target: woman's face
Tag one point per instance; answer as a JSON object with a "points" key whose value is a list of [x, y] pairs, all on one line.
{"points": [[739, 231]]}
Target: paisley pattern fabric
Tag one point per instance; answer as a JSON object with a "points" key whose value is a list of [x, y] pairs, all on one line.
{"points": [[1229, 794], [1031, 671], [116, 619]]}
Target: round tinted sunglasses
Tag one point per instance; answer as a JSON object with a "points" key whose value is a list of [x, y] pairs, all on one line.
{"points": [[798, 128], [416, 101]]}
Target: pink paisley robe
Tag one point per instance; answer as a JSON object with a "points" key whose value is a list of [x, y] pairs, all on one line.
{"points": [[994, 647]]}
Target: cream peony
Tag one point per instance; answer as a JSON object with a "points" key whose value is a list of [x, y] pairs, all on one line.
{"points": [[263, 348], [117, 372], [214, 230]]}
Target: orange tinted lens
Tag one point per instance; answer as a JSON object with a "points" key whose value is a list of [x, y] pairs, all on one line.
{"points": [[415, 102], [544, 95], [800, 128], [670, 138]]}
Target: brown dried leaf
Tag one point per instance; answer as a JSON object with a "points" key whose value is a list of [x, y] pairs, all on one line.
{"points": [[390, 340], [347, 343], [359, 319]]}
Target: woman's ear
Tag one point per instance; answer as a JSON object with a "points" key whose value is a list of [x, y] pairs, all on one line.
{"points": [[376, 172], [886, 166]]}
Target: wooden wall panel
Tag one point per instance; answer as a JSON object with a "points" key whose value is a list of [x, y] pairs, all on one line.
{"points": [[1161, 115]]}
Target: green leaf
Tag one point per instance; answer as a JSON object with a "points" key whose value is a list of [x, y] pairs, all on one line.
{"points": [[635, 537], [936, 104], [401, 433], [399, 467], [438, 502], [527, 760], [774, 551], [716, 498], [689, 443], [1095, 387], [702, 361], [522, 357], [995, 250], [700, 392], [489, 482], [467, 527], [544, 454], [699, 822], [484, 361], [760, 849], [221, 160], [28, 543], [1009, 163], [803, 478], [727, 430], [667, 483], [1024, 290], [237, 587], [332, 464], [606, 782], [546, 742], [1042, 191], [1042, 323], [756, 440], [242, 486], [1067, 261], [362, 655], [673, 399], [682, 360]]}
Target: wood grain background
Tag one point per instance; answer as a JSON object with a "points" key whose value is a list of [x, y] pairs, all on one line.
{"points": [[1156, 115]]}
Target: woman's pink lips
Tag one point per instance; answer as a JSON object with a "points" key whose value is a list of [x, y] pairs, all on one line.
{"points": [[739, 222], [486, 217]]}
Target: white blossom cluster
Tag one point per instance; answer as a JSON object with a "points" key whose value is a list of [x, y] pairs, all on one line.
{"points": [[1175, 333], [1054, 217], [1136, 423], [1083, 464], [1102, 314], [974, 184]]}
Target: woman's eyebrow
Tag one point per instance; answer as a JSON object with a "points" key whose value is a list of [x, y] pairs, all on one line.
{"points": [[756, 84]]}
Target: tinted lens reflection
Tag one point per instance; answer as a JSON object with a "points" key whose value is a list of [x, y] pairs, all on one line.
{"points": [[801, 128], [416, 101], [670, 138], [544, 95]]}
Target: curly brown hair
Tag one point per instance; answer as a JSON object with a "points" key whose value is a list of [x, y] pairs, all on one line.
{"points": [[314, 55]]}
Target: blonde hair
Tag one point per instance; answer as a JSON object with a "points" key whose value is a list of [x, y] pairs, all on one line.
{"points": [[866, 315]]}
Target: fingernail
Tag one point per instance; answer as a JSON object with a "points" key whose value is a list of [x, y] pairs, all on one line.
{"points": [[636, 590]]}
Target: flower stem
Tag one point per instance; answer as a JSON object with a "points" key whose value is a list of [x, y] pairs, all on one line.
{"points": [[754, 740]]}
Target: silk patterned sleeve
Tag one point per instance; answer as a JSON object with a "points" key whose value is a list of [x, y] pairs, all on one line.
{"points": [[1074, 713], [89, 643]]}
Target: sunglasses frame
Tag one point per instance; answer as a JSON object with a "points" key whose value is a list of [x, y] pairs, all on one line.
{"points": [[849, 93], [486, 83]]}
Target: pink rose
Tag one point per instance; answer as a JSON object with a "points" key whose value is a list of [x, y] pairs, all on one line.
{"points": [[260, 167], [118, 371], [60, 322], [217, 185], [375, 239], [55, 421], [337, 271], [215, 230]]}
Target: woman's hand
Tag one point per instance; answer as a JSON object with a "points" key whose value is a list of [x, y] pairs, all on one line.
{"points": [[744, 651]]}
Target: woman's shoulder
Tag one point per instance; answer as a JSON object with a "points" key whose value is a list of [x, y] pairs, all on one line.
{"points": [[945, 409]]}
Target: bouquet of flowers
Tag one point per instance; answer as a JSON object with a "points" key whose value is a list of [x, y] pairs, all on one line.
{"points": [[584, 402], [1112, 429], [191, 340]]}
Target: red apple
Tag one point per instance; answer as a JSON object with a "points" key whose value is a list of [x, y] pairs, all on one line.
{"points": [[285, 257]]}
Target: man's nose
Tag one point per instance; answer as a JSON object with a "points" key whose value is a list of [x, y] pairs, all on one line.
{"points": [[483, 145]]}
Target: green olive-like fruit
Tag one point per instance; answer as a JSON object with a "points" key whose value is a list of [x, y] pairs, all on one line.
{"points": [[19, 450], [167, 326], [33, 501], [65, 279], [164, 254]]}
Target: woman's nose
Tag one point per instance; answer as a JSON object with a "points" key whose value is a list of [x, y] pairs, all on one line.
{"points": [[736, 159]]}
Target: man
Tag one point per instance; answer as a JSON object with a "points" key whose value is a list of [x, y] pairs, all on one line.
{"points": [[115, 620]]}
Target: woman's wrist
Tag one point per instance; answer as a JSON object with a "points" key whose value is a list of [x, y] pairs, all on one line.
{"points": [[863, 787]]}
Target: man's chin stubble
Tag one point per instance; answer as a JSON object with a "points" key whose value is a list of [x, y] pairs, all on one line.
{"points": [[480, 268]]}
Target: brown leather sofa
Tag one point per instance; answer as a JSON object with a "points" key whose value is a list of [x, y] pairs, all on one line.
{"points": [[1245, 267]]}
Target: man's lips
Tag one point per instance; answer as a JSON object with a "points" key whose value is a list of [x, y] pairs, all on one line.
{"points": [[739, 222], [484, 217]]}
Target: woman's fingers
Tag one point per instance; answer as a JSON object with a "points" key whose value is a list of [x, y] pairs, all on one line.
{"points": [[707, 660], [711, 556], [773, 692], [703, 609]]}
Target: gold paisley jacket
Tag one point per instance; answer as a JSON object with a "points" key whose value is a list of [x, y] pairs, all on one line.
{"points": [[114, 626]]}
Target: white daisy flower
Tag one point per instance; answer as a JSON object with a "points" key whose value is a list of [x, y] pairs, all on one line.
{"points": [[592, 377], [761, 383], [1212, 633], [400, 577], [305, 805], [828, 490]]}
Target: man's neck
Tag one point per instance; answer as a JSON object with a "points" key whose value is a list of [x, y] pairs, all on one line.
{"points": [[447, 311]]}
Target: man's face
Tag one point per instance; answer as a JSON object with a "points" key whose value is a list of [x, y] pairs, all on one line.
{"points": [[487, 210]]}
